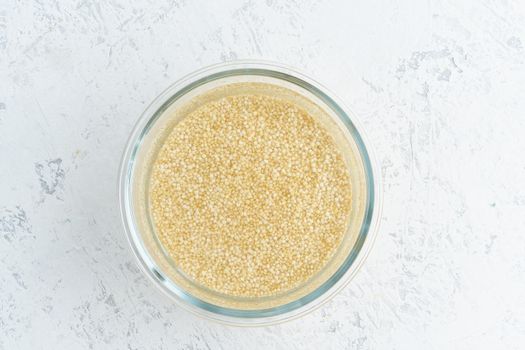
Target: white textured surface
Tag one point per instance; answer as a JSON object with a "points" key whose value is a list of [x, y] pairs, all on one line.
{"points": [[439, 86]]}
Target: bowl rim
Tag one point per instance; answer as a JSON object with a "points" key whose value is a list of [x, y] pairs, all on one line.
{"points": [[321, 294]]}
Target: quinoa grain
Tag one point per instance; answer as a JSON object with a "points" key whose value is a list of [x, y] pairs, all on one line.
{"points": [[249, 196]]}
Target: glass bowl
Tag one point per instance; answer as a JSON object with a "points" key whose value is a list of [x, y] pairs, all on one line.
{"points": [[155, 125]]}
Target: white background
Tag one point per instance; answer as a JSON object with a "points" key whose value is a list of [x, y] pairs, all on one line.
{"points": [[438, 85]]}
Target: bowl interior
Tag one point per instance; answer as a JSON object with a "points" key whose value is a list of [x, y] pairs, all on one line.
{"points": [[168, 110]]}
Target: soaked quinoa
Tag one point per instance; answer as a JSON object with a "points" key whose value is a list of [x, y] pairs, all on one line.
{"points": [[250, 196]]}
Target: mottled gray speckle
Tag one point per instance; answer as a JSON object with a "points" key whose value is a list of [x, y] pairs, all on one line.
{"points": [[359, 343], [51, 176], [110, 300], [444, 75], [14, 224], [19, 280], [515, 43], [489, 245], [417, 58]]}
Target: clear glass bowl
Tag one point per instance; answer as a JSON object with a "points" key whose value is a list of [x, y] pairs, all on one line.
{"points": [[154, 126]]}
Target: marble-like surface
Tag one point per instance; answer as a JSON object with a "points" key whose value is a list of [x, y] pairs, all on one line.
{"points": [[439, 87]]}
